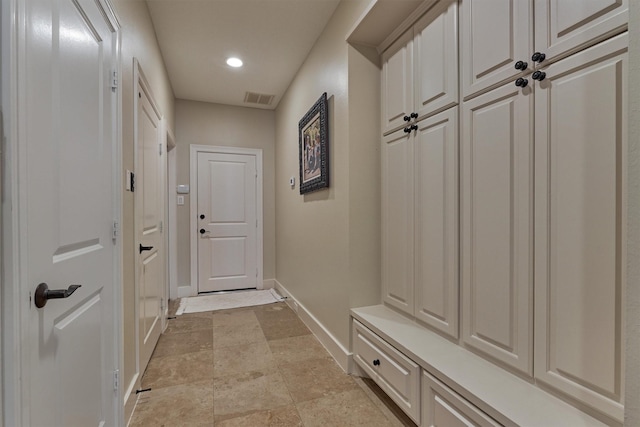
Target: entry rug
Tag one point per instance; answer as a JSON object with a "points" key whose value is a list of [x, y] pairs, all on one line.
{"points": [[226, 301]]}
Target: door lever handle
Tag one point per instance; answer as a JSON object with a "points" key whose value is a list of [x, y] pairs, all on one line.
{"points": [[145, 248], [43, 294]]}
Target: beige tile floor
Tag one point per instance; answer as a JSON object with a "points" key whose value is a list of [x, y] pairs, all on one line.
{"points": [[252, 367]]}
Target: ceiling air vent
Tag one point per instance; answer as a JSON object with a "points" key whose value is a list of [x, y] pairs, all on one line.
{"points": [[258, 98]]}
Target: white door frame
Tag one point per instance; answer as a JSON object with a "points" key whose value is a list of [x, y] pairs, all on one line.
{"points": [[193, 209], [172, 212], [16, 301]]}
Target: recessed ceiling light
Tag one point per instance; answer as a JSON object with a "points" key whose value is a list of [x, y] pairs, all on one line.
{"points": [[234, 62]]}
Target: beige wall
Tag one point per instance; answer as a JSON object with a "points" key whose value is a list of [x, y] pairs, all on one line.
{"points": [[632, 373], [328, 242], [214, 124], [138, 41]]}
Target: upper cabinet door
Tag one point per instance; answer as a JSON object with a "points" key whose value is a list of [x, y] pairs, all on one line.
{"points": [[397, 220], [580, 206], [494, 35], [436, 221], [497, 225], [436, 59], [397, 83], [562, 27]]}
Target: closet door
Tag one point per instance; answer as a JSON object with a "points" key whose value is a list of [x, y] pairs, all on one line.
{"points": [[564, 26], [497, 204], [397, 83], [494, 35], [397, 220], [581, 149], [436, 222], [436, 59]]}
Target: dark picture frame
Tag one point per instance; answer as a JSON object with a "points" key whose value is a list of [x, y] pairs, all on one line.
{"points": [[313, 136]]}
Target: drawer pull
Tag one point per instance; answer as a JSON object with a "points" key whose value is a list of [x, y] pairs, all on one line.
{"points": [[376, 362]]}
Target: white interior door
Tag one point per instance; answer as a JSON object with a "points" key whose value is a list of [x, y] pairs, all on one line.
{"points": [[149, 216], [227, 222], [67, 211]]}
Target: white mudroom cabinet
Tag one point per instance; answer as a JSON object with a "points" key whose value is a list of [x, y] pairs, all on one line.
{"points": [[503, 156]]}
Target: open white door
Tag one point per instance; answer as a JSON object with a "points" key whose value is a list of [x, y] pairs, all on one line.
{"points": [[67, 145], [228, 250], [149, 212]]}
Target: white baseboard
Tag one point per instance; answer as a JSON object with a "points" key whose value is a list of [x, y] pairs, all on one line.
{"points": [[130, 399], [269, 284], [341, 355], [185, 291]]}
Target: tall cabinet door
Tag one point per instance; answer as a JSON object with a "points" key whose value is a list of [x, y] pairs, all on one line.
{"points": [[397, 83], [436, 222], [436, 59], [494, 35], [397, 220], [581, 147], [563, 26], [497, 203]]}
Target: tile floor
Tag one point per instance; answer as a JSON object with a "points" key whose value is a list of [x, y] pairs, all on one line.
{"points": [[252, 367]]}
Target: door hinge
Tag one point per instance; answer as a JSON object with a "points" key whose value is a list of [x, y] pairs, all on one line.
{"points": [[116, 229], [132, 184], [256, 272], [161, 226], [114, 79], [116, 379], [160, 149]]}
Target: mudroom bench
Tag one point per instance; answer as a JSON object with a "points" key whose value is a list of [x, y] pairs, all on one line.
{"points": [[437, 382]]}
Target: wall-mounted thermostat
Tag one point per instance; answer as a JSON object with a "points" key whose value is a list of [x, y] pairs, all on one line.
{"points": [[183, 189]]}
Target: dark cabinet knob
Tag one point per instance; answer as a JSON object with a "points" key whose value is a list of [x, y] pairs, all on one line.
{"points": [[538, 57], [539, 75], [522, 82], [521, 65], [406, 118], [202, 231], [407, 130], [376, 362], [201, 216], [413, 127], [414, 115]]}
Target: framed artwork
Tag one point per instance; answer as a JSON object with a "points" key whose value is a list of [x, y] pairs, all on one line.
{"points": [[313, 135]]}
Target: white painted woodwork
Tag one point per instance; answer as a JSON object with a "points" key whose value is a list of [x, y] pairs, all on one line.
{"points": [[67, 51], [581, 147], [395, 373], [442, 406], [494, 35], [503, 396], [562, 27], [397, 220], [149, 211], [397, 83], [497, 225], [227, 250], [436, 59], [436, 221]]}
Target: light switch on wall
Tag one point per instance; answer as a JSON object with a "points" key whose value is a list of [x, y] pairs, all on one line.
{"points": [[292, 181], [180, 200]]}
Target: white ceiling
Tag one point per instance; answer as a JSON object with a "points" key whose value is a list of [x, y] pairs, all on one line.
{"points": [[272, 37]]}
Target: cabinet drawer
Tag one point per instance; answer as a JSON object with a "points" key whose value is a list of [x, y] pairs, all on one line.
{"points": [[396, 374], [441, 406]]}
